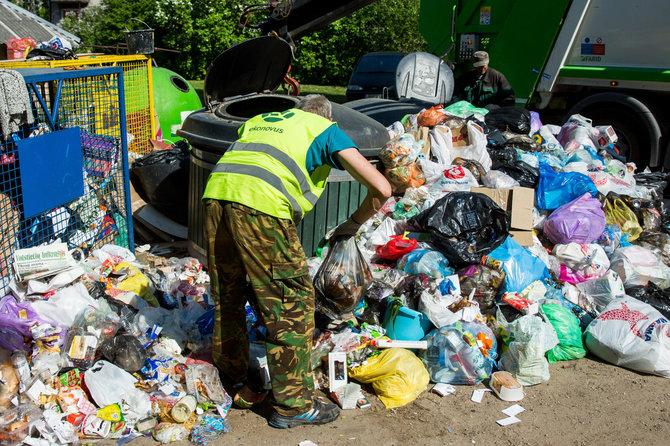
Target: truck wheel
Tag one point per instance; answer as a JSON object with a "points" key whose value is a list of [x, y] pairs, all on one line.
{"points": [[633, 142], [633, 122]]}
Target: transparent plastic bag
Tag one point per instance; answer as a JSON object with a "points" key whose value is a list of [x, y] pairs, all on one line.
{"points": [[499, 180], [343, 277], [425, 261], [527, 339], [454, 357]]}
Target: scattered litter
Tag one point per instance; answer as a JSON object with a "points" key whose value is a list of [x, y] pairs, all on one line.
{"points": [[478, 394], [443, 389], [513, 411], [507, 421]]}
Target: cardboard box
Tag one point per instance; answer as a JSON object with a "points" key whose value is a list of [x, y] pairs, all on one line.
{"points": [[518, 202]]}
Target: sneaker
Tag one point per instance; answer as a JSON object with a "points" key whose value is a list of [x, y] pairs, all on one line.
{"points": [[245, 398], [319, 414]]}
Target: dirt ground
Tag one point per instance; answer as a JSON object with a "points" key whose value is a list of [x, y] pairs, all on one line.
{"points": [[586, 402]]}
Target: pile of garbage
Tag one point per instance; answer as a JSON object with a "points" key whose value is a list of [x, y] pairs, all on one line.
{"points": [[117, 345], [508, 245]]}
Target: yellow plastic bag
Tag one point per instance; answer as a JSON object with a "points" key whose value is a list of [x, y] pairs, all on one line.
{"points": [[396, 374], [136, 282], [617, 213]]}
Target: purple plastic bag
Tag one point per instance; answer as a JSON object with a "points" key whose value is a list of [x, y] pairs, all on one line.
{"points": [[16, 318], [580, 221], [535, 122]]}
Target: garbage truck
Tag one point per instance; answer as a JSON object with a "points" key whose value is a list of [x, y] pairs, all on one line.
{"points": [[607, 60]]}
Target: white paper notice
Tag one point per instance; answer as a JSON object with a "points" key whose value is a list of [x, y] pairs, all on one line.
{"points": [[478, 394], [507, 421], [513, 411]]}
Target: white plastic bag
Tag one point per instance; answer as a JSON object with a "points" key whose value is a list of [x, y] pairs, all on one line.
{"points": [[109, 384], [64, 306], [435, 308], [585, 261], [454, 178], [598, 293], [631, 334], [637, 266], [476, 150], [441, 143], [546, 139]]}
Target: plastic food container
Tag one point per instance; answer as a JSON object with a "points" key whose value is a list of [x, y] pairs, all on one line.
{"points": [[506, 386]]}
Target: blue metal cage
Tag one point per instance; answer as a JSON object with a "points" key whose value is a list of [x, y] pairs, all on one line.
{"points": [[63, 161]]}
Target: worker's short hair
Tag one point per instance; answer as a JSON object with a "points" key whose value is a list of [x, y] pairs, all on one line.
{"points": [[316, 103]]}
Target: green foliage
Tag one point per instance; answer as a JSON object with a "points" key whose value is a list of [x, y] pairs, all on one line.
{"points": [[38, 7], [202, 29], [328, 56]]}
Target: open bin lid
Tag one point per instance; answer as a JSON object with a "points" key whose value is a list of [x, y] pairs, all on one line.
{"points": [[254, 66], [425, 77]]}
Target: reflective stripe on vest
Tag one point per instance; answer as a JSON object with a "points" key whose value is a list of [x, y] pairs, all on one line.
{"points": [[284, 159], [265, 175]]}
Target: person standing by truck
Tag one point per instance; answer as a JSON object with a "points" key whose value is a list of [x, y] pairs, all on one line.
{"points": [[484, 86], [256, 194]]}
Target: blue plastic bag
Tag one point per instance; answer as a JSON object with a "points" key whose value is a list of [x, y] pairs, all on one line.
{"points": [[521, 267], [555, 189]]}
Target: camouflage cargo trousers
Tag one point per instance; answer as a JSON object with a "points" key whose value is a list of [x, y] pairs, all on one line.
{"points": [[242, 241]]}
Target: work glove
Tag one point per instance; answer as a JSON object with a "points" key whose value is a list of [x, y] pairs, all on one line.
{"points": [[345, 230]]}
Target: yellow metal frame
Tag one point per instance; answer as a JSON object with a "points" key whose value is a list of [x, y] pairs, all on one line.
{"points": [[137, 91]]}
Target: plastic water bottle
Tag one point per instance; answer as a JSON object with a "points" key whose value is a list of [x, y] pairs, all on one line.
{"points": [[22, 368]]}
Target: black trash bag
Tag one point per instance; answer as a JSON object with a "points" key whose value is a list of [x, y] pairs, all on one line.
{"points": [[653, 295], [161, 179], [505, 160], [656, 181], [510, 118], [125, 351], [464, 226], [51, 54], [664, 209]]}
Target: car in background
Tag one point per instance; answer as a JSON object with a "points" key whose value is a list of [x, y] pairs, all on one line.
{"points": [[374, 76]]}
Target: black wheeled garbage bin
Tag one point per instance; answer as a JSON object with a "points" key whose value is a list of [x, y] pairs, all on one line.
{"points": [[239, 85]]}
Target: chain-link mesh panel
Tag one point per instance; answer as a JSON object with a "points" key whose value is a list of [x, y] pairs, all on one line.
{"points": [[64, 167]]}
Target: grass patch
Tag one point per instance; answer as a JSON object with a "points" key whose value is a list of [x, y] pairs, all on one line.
{"points": [[335, 94]]}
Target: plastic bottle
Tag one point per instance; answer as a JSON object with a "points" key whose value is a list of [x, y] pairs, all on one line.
{"points": [[22, 368], [184, 408]]}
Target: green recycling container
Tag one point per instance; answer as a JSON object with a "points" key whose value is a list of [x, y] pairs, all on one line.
{"points": [[173, 95]]}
